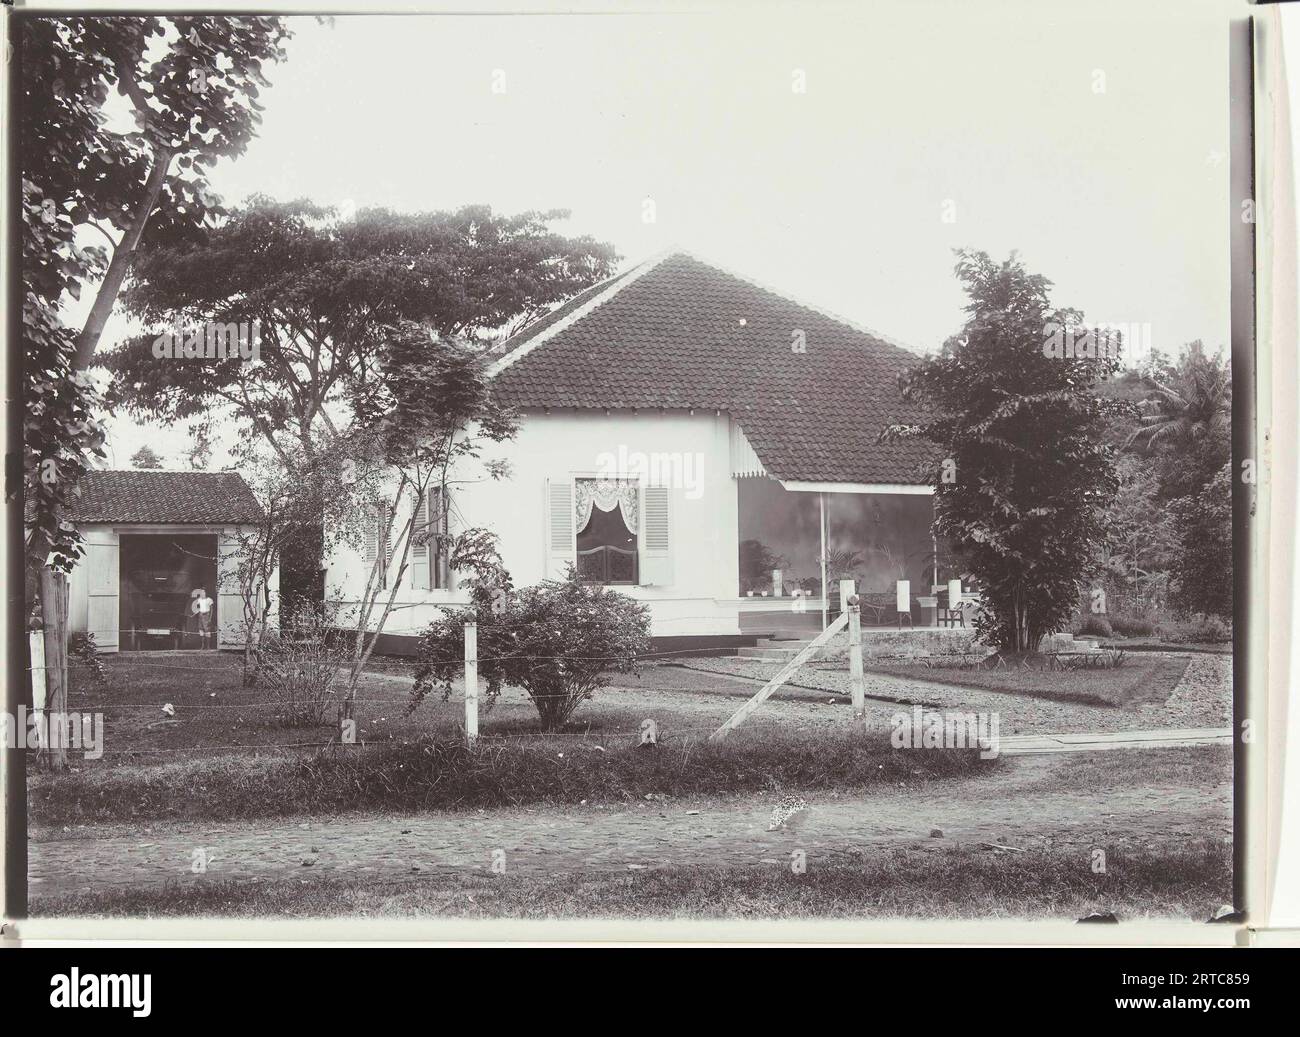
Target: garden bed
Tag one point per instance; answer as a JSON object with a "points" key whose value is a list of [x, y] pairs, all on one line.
{"points": [[1136, 680]]}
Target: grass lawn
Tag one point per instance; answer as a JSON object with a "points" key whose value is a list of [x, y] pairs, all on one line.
{"points": [[1189, 882], [212, 710], [1141, 679]]}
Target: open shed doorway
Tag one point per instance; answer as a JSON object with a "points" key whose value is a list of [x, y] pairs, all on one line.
{"points": [[165, 580]]}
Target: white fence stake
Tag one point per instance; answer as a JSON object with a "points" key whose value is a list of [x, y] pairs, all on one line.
{"points": [[471, 684], [849, 602], [37, 641]]}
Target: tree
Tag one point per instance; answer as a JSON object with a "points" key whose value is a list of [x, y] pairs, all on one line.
{"points": [[323, 291], [1020, 426], [424, 419], [199, 454], [191, 84], [286, 497], [557, 641], [1142, 537], [1202, 570], [145, 458], [1189, 403], [1185, 421]]}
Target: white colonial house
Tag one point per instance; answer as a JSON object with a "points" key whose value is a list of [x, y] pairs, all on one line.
{"points": [[704, 445], [157, 545]]}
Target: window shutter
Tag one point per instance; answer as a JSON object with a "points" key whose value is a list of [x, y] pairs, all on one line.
{"points": [[385, 521], [440, 548], [376, 541], [420, 547], [371, 538], [561, 551], [656, 537]]}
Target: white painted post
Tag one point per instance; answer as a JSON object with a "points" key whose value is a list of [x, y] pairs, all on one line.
{"points": [[471, 683], [849, 601], [37, 641], [826, 591]]}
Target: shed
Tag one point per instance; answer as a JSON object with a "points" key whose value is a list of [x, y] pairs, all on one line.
{"points": [[162, 555]]}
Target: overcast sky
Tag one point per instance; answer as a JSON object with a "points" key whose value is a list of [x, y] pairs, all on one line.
{"points": [[1092, 137]]}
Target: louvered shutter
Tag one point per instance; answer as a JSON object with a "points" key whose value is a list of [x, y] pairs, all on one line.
{"points": [[421, 542], [371, 538], [656, 537], [385, 533], [386, 538], [439, 512], [376, 541], [561, 550]]}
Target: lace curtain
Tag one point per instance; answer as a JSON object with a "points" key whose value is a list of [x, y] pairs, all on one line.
{"points": [[607, 494]]}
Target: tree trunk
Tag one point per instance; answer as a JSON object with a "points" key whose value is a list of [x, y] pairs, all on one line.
{"points": [[106, 297], [54, 610]]}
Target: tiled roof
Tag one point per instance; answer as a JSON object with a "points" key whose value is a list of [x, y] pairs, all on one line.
{"points": [[525, 335], [678, 333], [156, 497]]}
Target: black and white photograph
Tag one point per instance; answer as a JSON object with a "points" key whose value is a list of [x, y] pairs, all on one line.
{"points": [[727, 464]]}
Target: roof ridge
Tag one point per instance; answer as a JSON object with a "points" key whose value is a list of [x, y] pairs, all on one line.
{"points": [[780, 294], [157, 471], [613, 285]]}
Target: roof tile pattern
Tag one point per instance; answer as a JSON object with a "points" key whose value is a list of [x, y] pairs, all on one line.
{"points": [[159, 497], [685, 334]]}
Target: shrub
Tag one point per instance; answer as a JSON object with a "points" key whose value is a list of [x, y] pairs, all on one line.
{"points": [[1097, 626], [1132, 626], [85, 652], [556, 641], [1206, 630], [1091, 661], [303, 668]]}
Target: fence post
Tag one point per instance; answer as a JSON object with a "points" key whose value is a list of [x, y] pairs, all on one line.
{"points": [[471, 683], [36, 643], [54, 613], [849, 602]]}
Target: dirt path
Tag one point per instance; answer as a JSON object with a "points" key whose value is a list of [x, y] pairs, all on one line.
{"points": [[1021, 805]]}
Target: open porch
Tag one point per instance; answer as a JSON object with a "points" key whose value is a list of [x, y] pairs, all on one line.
{"points": [[798, 540]]}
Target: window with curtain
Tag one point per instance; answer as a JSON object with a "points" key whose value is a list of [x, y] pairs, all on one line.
{"points": [[607, 518]]}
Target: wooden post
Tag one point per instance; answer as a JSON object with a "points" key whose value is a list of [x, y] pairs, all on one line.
{"points": [[36, 645], [787, 671], [471, 683], [849, 600], [826, 591], [54, 612]]}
